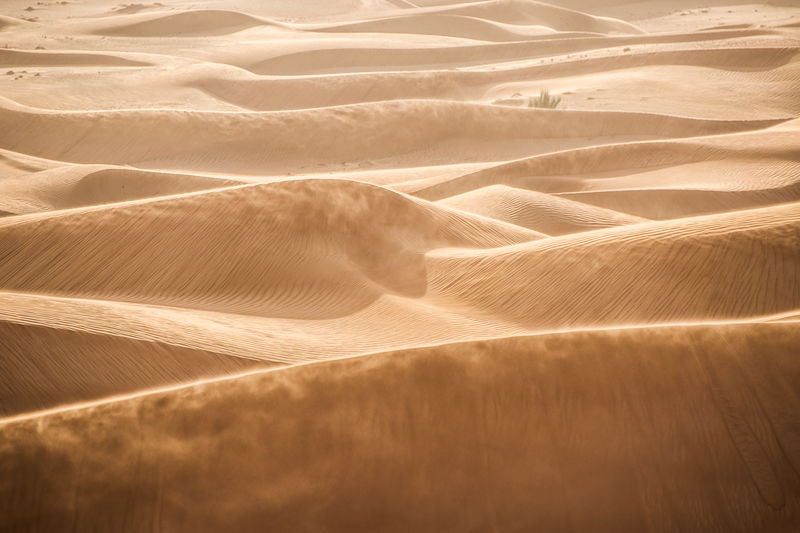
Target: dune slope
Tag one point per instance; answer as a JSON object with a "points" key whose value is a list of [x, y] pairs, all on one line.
{"points": [[542, 212], [733, 265], [676, 426], [52, 366], [374, 131], [298, 256]]}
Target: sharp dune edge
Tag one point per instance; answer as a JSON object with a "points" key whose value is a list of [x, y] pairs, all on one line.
{"points": [[325, 266]]}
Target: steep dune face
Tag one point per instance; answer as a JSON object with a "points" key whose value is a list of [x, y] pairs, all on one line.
{"points": [[300, 240], [599, 430], [326, 266]]}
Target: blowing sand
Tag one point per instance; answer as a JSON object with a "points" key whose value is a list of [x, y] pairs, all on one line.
{"points": [[322, 266]]}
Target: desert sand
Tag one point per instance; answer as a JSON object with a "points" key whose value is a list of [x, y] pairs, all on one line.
{"points": [[326, 266]]}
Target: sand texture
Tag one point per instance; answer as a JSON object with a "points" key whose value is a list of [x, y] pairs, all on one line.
{"points": [[329, 266]]}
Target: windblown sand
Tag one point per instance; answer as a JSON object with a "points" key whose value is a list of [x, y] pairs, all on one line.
{"points": [[278, 265]]}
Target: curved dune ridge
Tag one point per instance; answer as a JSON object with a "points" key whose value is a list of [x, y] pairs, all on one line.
{"points": [[84, 185], [213, 140], [300, 244], [674, 202], [720, 267], [326, 266], [759, 68], [490, 18], [361, 59], [567, 170], [609, 273], [205, 22], [531, 12], [15, 164], [9, 21], [601, 415], [37, 58], [537, 211], [82, 366], [393, 321], [444, 24]]}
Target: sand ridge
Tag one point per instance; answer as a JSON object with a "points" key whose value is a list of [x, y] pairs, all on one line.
{"points": [[550, 214]]}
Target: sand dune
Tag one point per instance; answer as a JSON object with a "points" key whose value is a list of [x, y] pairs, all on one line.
{"points": [[297, 92], [489, 21], [335, 265], [393, 322], [537, 211], [449, 25], [531, 12], [25, 58], [601, 416], [568, 170], [84, 185], [273, 269], [720, 267], [702, 255], [9, 21], [362, 59], [190, 23], [597, 278], [349, 134], [15, 164], [664, 203], [52, 366]]}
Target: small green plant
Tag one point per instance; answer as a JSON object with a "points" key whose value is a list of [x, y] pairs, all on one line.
{"points": [[544, 100]]}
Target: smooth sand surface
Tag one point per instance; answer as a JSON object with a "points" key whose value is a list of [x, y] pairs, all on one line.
{"points": [[323, 266]]}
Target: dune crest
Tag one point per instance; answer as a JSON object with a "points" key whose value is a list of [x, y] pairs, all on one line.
{"points": [[25, 58], [543, 212], [191, 23], [375, 133]]}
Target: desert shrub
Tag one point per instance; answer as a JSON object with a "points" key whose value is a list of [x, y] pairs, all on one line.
{"points": [[544, 100]]}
